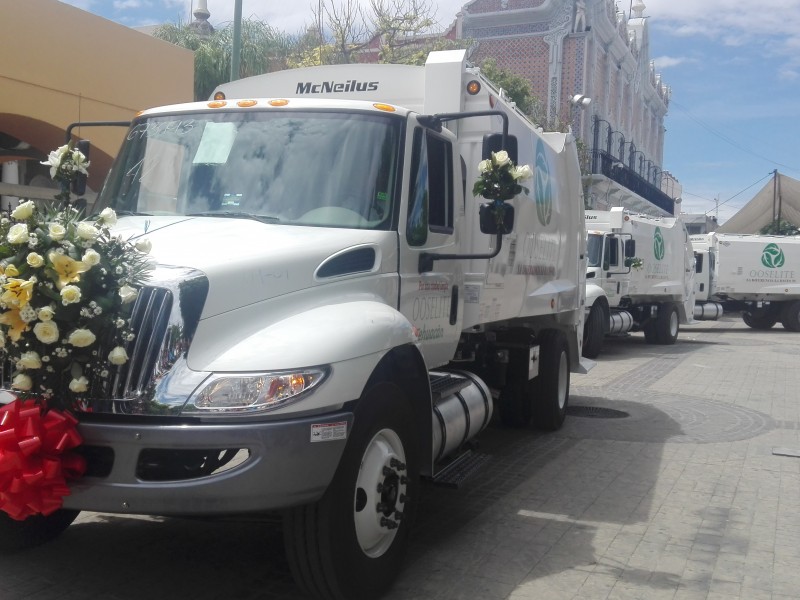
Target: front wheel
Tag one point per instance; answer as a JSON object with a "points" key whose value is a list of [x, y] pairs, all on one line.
{"points": [[551, 389], [790, 316], [593, 333], [33, 531], [667, 324], [350, 543]]}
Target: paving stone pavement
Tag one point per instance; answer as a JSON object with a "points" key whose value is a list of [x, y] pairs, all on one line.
{"points": [[690, 494]]}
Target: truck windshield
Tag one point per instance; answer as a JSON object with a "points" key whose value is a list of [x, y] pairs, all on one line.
{"points": [[304, 168], [594, 249]]}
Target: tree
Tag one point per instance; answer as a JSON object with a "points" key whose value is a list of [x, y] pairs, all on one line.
{"points": [[264, 49], [518, 88], [780, 227]]}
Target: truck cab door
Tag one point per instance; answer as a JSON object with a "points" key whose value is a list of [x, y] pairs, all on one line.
{"points": [[431, 301], [615, 282]]}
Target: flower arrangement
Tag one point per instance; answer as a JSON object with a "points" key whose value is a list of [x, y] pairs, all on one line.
{"points": [[66, 287], [634, 262], [498, 181], [66, 292], [499, 178]]}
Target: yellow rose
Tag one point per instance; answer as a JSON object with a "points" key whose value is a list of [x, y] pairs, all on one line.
{"points": [[46, 332], [45, 313], [70, 294], [11, 271]]}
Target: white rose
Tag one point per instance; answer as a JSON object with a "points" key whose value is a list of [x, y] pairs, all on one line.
{"points": [[18, 234], [118, 356], [80, 338], [22, 382], [29, 360], [70, 294], [81, 384], [45, 313], [46, 332], [35, 260], [23, 211], [56, 231], [523, 172], [128, 294], [80, 162], [87, 231], [144, 245], [485, 166], [108, 216], [501, 158], [91, 257]]}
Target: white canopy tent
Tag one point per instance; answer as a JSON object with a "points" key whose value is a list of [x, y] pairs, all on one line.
{"points": [[778, 199]]}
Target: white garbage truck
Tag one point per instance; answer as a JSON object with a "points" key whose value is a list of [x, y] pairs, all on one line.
{"points": [[333, 316], [640, 277], [758, 275]]}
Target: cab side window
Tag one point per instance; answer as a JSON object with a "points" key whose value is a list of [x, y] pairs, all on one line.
{"points": [[430, 205]]}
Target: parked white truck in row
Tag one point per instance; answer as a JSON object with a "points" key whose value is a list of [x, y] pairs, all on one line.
{"points": [[757, 274], [640, 276], [331, 317]]}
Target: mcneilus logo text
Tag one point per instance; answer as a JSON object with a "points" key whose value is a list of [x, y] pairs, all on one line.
{"points": [[331, 87]]}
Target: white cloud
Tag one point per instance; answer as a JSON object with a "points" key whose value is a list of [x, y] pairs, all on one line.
{"points": [[665, 62]]}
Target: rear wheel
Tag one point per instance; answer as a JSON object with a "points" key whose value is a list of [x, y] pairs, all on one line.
{"points": [[759, 320], [790, 316], [650, 332], [667, 324], [593, 333], [551, 387], [350, 543], [33, 531]]}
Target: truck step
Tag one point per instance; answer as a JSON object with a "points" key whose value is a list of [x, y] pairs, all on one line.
{"points": [[461, 469], [446, 384]]}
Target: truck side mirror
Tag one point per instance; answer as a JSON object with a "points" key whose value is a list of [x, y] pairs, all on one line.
{"points": [[79, 183], [630, 248], [493, 142], [493, 215]]}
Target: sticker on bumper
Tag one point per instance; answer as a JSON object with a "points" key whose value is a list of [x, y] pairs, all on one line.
{"points": [[328, 432]]}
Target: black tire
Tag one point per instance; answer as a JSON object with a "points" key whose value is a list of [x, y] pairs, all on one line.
{"points": [[340, 548], [33, 531], [551, 387], [667, 324], [593, 333], [790, 316], [514, 404], [760, 321]]}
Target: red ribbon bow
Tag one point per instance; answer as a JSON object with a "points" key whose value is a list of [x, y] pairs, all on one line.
{"points": [[34, 458]]}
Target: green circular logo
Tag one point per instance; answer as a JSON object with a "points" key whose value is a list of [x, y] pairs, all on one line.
{"points": [[543, 190], [658, 244], [772, 256]]}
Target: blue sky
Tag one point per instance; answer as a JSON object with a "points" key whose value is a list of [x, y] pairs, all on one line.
{"points": [[733, 67]]}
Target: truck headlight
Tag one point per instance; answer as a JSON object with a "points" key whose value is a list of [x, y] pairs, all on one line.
{"points": [[254, 392]]}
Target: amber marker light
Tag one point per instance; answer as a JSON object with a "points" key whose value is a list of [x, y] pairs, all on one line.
{"points": [[384, 107], [219, 96], [246, 103], [473, 87], [278, 102], [217, 104]]}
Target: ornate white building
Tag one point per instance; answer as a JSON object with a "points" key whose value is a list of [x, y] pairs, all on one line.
{"points": [[589, 48]]}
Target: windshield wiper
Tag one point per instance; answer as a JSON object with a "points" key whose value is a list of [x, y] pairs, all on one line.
{"points": [[229, 214], [130, 213]]}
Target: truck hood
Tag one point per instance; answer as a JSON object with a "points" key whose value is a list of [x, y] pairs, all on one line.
{"points": [[247, 261]]}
